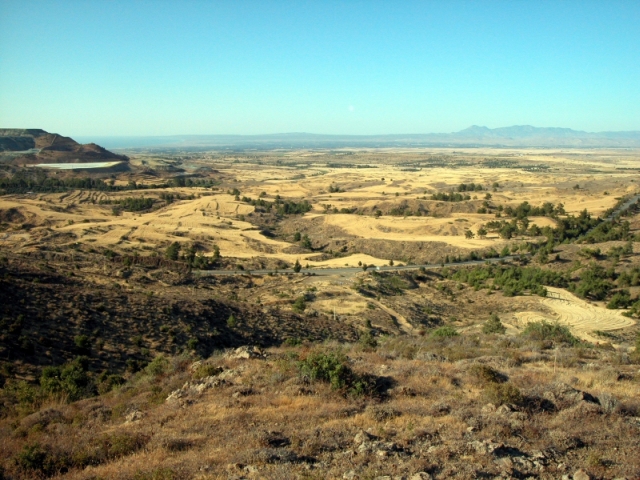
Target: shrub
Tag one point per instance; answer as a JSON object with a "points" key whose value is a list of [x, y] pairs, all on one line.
{"points": [[205, 370], [22, 395], [157, 366], [444, 332], [108, 382], [553, 332], [71, 379], [292, 342], [621, 299], [232, 321], [32, 457], [493, 325], [501, 393], [192, 344], [81, 341], [35, 458], [486, 374], [327, 367], [367, 340], [332, 368], [122, 444], [299, 305]]}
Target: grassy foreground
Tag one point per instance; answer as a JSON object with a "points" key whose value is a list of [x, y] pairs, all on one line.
{"points": [[537, 405]]}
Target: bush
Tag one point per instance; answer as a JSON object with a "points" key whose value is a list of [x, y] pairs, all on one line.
{"points": [[206, 370], [332, 368], [493, 325], [621, 299], [71, 379], [81, 341], [544, 331], [292, 342], [192, 344], [32, 457], [36, 459], [367, 340], [122, 444], [232, 321], [444, 332], [299, 305], [327, 367], [157, 366], [108, 382], [48, 462], [501, 393], [486, 374]]}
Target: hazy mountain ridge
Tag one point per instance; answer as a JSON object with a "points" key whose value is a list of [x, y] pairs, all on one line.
{"points": [[513, 136]]}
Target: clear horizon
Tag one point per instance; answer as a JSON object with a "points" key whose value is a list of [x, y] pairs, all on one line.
{"points": [[359, 68]]}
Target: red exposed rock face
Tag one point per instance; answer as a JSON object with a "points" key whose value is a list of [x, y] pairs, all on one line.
{"points": [[53, 148]]}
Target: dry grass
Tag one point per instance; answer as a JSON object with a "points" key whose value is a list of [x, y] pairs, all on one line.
{"points": [[266, 421]]}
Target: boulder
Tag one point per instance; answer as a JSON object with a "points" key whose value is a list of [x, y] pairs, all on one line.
{"points": [[245, 353], [563, 396], [581, 475]]}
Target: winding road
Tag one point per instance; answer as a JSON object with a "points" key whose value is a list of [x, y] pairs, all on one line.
{"points": [[347, 270]]}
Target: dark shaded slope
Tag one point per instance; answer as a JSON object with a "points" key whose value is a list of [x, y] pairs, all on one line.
{"points": [[48, 317]]}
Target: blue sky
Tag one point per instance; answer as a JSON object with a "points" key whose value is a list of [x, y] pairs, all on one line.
{"points": [[345, 67]]}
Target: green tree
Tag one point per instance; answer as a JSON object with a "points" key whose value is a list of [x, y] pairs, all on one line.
{"points": [[493, 325], [173, 251], [297, 267], [542, 257], [299, 305]]}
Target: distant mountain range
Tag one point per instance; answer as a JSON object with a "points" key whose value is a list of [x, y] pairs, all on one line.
{"points": [[474, 136]]}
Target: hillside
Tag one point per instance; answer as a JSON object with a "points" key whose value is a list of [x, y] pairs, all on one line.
{"points": [[33, 146]]}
